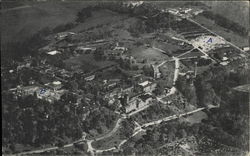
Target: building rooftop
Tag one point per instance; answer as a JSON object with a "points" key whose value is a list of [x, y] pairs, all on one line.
{"points": [[145, 83], [56, 83], [54, 52], [144, 97]]}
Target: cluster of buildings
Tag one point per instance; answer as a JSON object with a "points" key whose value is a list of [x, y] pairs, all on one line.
{"points": [[63, 35], [226, 55], [116, 53], [187, 12], [128, 98], [156, 72], [84, 50], [49, 92]]}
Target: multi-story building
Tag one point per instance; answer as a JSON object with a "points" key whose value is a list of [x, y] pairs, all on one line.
{"points": [[147, 86], [156, 71], [136, 102], [27, 90]]}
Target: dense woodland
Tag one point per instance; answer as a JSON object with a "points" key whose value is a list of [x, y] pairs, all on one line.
{"points": [[34, 122], [215, 87], [226, 125]]}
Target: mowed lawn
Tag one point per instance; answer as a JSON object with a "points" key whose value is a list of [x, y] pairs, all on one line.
{"points": [[87, 62], [166, 46], [150, 54]]}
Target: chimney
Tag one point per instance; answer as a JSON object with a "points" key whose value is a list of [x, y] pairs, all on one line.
{"points": [[195, 70]]}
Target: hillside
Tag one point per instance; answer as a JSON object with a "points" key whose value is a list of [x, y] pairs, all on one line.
{"points": [[238, 12], [18, 25]]}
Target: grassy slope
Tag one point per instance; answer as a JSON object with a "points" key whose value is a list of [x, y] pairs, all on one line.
{"points": [[237, 11], [17, 25]]}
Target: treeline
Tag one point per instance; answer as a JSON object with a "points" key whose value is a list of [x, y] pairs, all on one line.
{"points": [[16, 50], [84, 14], [146, 11], [226, 23]]}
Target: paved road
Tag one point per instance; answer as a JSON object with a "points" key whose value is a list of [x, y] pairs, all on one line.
{"points": [[89, 142], [139, 110], [38, 151], [185, 53], [176, 75], [139, 129], [117, 126], [16, 8], [48, 149], [173, 117]]}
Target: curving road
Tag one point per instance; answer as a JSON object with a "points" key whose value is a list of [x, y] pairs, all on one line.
{"points": [[141, 128], [16, 8]]}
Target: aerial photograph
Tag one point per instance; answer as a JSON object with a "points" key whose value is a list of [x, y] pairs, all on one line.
{"points": [[125, 78]]}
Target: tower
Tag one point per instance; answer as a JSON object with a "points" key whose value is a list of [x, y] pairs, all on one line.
{"points": [[195, 69]]}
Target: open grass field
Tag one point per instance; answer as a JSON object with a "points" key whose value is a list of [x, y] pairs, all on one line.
{"points": [[195, 118], [109, 142], [19, 24], [192, 53], [87, 63], [167, 71], [152, 55], [168, 47]]}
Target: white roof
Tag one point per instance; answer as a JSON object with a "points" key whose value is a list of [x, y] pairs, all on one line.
{"points": [[85, 48], [246, 48], [53, 52], [224, 58], [224, 63], [57, 83], [204, 56], [144, 83]]}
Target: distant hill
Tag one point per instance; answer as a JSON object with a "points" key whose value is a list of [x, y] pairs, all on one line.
{"points": [[237, 11], [20, 24]]}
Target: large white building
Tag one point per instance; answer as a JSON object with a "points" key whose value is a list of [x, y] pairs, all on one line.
{"points": [[147, 86]]}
